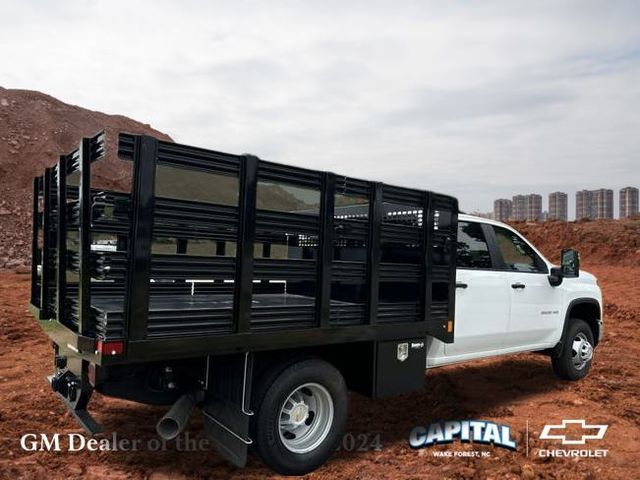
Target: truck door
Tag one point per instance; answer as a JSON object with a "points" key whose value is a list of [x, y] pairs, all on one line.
{"points": [[535, 304], [482, 295]]}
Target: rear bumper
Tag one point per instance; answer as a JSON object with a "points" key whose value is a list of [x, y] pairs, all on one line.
{"points": [[69, 342]]}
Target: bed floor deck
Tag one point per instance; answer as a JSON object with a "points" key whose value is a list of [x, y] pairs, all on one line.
{"points": [[162, 303]]}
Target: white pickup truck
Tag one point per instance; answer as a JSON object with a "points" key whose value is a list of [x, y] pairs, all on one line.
{"points": [[260, 294], [510, 299]]}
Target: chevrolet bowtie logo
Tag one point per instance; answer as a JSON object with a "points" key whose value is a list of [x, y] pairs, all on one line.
{"points": [[597, 432]]}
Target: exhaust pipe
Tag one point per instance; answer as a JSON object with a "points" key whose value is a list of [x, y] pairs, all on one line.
{"points": [[174, 421]]}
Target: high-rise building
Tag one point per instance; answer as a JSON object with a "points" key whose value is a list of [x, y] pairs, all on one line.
{"points": [[584, 205], [533, 203], [594, 204], [603, 203], [628, 202], [526, 207], [519, 207], [558, 206], [502, 208]]}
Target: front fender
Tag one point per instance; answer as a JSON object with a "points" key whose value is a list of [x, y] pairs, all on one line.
{"points": [[588, 309]]}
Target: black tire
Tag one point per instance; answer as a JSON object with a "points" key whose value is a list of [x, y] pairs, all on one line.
{"points": [[270, 394], [563, 365]]}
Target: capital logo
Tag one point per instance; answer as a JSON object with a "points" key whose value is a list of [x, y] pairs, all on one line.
{"points": [[467, 431], [586, 432]]}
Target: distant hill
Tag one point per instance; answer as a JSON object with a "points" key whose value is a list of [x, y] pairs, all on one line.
{"points": [[35, 129], [600, 242]]}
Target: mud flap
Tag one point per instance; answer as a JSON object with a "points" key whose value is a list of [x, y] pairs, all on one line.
{"points": [[225, 407]]}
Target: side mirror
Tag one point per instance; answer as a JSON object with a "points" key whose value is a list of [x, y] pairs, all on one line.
{"points": [[570, 263]]}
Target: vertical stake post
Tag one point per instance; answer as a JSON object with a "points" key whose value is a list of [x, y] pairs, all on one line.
{"points": [[246, 238]]}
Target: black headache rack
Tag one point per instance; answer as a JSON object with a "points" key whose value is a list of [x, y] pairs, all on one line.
{"points": [[192, 252]]}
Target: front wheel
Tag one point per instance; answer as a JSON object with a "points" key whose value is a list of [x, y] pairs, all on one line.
{"points": [[577, 352], [301, 416]]}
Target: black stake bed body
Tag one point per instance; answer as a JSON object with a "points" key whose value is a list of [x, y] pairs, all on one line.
{"points": [[181, 252]]}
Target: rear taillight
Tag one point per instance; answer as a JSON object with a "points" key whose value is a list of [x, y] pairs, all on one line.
{"points": [[110, 348]]}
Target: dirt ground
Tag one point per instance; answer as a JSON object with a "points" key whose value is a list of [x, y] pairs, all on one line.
{"points": [[516, 390]]}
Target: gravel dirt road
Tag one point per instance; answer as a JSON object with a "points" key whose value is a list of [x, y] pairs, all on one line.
{"points": [[515, 391]]}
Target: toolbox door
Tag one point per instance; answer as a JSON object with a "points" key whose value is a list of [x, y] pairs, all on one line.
{"points": [[400, 366]]}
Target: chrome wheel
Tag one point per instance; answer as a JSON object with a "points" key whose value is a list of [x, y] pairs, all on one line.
{"points": [[305, 418], [581, 351]]}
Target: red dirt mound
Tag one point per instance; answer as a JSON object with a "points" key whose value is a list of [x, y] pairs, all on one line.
{"points": [[602, 242], [34, 130]]}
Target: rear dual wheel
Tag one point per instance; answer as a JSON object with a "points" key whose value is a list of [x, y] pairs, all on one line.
{"points": [[301, 414]]}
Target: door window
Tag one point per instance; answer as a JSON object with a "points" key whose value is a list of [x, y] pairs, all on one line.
{"points": [[517, 254], [473, 251]]}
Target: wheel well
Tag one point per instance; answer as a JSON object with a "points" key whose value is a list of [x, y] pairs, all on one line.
{"points": [[354, 361], [590, 313]]}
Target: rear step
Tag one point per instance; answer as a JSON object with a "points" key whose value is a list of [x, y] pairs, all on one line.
{"points": [[69, 389]]}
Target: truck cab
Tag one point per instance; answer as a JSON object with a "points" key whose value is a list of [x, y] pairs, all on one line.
{"points": [[511, 299]]}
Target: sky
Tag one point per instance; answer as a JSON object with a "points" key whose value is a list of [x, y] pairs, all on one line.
{"points": [[480, 100]]}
